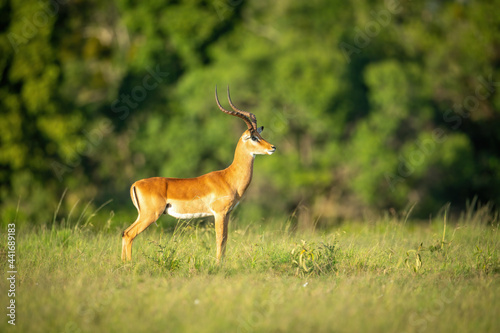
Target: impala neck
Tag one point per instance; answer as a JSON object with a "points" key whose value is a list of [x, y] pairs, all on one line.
{"points": [[241, 169]]}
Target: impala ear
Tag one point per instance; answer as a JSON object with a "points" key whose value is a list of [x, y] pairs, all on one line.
{"points": [[260, 129]]}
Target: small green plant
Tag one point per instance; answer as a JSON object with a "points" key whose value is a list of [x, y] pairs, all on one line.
{"points": [[413, 259], [166, 256], [486, 259], [303, 257], [309, 259]]}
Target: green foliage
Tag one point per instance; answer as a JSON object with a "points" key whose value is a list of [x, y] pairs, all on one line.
{"points": [[166, 257], [487, 260], [413, 259], [372, 105], [310, 259]]}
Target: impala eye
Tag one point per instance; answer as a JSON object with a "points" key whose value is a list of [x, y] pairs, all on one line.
{"points": [[254, 138]]}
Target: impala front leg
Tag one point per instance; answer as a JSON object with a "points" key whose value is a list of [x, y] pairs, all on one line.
{"points": [[221, 226]]}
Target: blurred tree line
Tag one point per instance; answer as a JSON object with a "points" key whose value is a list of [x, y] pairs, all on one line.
{"points": [[372, 104]]}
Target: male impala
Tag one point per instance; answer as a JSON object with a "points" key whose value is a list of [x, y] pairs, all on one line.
{"points": [[214, 194]]}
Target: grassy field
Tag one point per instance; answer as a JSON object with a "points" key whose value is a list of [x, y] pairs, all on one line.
{"points": [[384, 276]]}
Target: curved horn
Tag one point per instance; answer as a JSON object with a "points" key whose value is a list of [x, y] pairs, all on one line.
{"points": [[237, 113], [249, 115]]}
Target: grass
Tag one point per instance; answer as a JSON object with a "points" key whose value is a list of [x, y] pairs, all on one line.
{"points": [[384, 276]]}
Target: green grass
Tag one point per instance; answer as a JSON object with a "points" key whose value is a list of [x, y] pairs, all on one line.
{"points": [[388, 276]]}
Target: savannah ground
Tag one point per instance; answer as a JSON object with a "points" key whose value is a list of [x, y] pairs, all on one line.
{"points": [[389, 275]]}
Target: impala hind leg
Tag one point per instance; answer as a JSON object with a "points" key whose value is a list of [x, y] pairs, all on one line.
{"points": [[135, 229]]}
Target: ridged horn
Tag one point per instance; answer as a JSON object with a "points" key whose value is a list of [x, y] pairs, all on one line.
{"points": [[248, 117]]}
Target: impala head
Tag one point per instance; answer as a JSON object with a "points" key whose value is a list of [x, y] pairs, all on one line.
{"points": [[251, 138]]}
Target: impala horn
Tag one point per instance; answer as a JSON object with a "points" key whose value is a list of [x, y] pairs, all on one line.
{"points": [[248, 117]]}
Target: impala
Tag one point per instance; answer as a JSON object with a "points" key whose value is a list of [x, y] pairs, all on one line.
{"points": [[214, 194]]}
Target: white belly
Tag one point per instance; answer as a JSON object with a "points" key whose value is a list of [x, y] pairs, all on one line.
{"points": [[184, 210], [186, 216]]}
